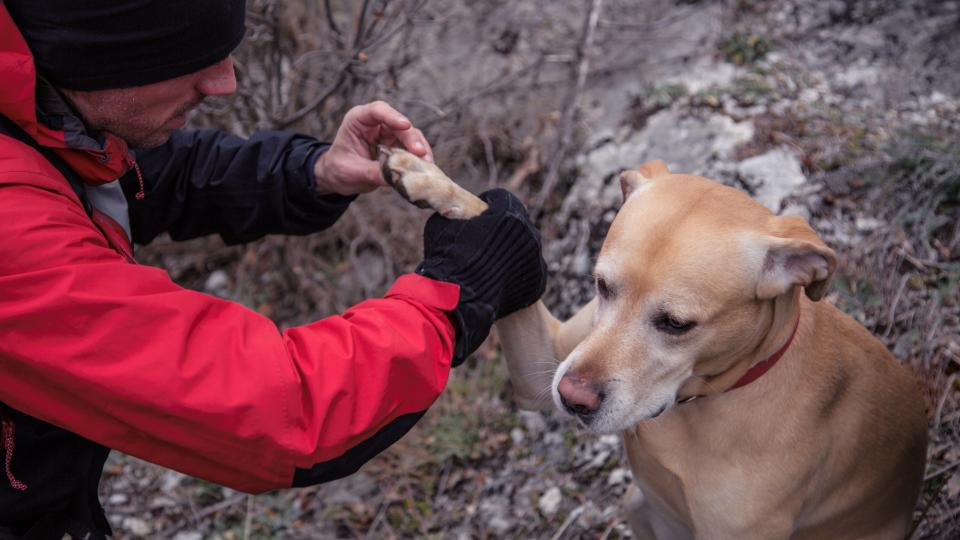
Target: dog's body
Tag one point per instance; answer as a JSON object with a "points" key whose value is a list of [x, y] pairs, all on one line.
{"points": [[697, 285], [827, 445]]}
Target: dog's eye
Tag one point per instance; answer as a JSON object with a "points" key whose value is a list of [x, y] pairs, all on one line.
{"points": [[670, 325], [603, 289]]}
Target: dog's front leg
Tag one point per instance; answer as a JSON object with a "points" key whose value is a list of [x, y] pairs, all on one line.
{"points": [[647, 523], [533, 340], [527, 341]]}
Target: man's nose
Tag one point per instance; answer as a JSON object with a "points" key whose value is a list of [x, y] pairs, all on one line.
{"points": [[218, 79]]}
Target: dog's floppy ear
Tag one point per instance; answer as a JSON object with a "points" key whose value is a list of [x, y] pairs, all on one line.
{"points": [[632, 179], [795, 255]]}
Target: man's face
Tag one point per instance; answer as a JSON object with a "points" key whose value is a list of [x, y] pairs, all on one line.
{"points": [[145, 116]]}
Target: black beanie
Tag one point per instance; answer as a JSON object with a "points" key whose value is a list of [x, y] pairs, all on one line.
{"points": [[101, 44]]}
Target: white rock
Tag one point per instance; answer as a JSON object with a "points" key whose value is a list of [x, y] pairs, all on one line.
{"points": [[216, 282], [171, 481], [618, 476], [590, 516], [797, 210], [495, 511], [188, 535], [552, 438], [137, 526], [599, 459], [516, 435], [706, 73], [609, 441], [533, 422], [774, 176], [162, 502], [859, 73], [118, 498], [498, 524], [550, 501], [689, 145], [866, 224], [935, 98]]}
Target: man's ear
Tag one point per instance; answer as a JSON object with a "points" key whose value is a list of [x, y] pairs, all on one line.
{"points": [[795, 255], [632, 179]]}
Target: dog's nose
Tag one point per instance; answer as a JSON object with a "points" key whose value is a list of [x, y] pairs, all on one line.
{"points": [[579, 396]]}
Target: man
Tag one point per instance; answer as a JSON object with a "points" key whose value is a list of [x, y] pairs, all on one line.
{"points": [[97, 352]]}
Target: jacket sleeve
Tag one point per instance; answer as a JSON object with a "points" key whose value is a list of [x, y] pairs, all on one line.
{"points": [[205, 182], [119, 354]]}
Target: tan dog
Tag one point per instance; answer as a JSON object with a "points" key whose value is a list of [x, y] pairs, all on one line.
{"points": [[747, 408]]}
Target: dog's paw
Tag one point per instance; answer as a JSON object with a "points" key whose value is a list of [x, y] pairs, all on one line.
{"points": [[425, 185]]}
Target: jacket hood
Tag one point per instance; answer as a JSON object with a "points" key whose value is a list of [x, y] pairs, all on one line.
{"points": [[41, 111]]}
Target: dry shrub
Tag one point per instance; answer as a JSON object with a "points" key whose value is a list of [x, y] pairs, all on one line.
{"points": [[903, 283]]}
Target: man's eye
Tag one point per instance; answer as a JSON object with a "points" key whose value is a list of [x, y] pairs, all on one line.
{"points": [[673, 326], [603, 289]]}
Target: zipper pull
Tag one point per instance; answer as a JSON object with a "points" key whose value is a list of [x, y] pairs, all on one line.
{"points": [[136, 168], [8, 430]]}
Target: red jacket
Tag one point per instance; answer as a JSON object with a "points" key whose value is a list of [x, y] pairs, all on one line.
{"points": [[119, 354]]}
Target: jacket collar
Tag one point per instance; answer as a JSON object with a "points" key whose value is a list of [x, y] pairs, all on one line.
{"points": [[38, 108]]}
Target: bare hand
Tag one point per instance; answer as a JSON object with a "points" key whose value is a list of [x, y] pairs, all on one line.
{"points": [[349, 166]]}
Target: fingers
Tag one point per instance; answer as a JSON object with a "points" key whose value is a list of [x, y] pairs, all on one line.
{"points": [[390, 127], [379, 112], [414, 141]]}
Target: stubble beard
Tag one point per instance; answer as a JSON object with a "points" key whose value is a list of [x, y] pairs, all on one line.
{"points": [[121, 115]]}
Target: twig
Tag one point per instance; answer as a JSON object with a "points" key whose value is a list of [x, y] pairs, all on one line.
{"points": [[248, 518], [359, 17], [943, 399], [530, 165], [942, 470], [491, 87], [442, 484], [306, 109], [891, 317], [567, 522], [407, 19], [379, 16], [381, 512], [571, 107], [492, 172], [609, 529], [212, 509], [346, 67], [952, 514], [921, 264], [331, 23]]}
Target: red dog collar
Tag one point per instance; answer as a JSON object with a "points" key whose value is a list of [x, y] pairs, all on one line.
{"points": [[762, 367], [759, 368]]}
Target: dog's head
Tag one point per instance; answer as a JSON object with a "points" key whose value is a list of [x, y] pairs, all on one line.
{"points": [[686, 281]]}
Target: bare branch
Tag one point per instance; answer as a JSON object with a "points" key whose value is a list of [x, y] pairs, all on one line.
{"points": [[331, 23], [320, 99], [571, 109]]}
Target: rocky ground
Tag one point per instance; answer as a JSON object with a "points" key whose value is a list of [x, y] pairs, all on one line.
{"points": [[844, 112]]}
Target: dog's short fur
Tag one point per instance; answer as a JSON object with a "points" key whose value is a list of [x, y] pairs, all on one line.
{"points": [[697, 283]]}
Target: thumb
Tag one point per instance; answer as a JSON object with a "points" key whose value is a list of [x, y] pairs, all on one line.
{"points": [[370, 172]]}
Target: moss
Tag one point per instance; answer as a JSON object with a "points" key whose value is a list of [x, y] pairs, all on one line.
{"points": [[745, 48]]}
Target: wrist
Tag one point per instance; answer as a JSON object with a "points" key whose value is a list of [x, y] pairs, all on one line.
{"points": [[320, 173]]}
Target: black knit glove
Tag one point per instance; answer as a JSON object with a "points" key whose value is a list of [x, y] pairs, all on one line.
{"points": [[494, 258]]}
